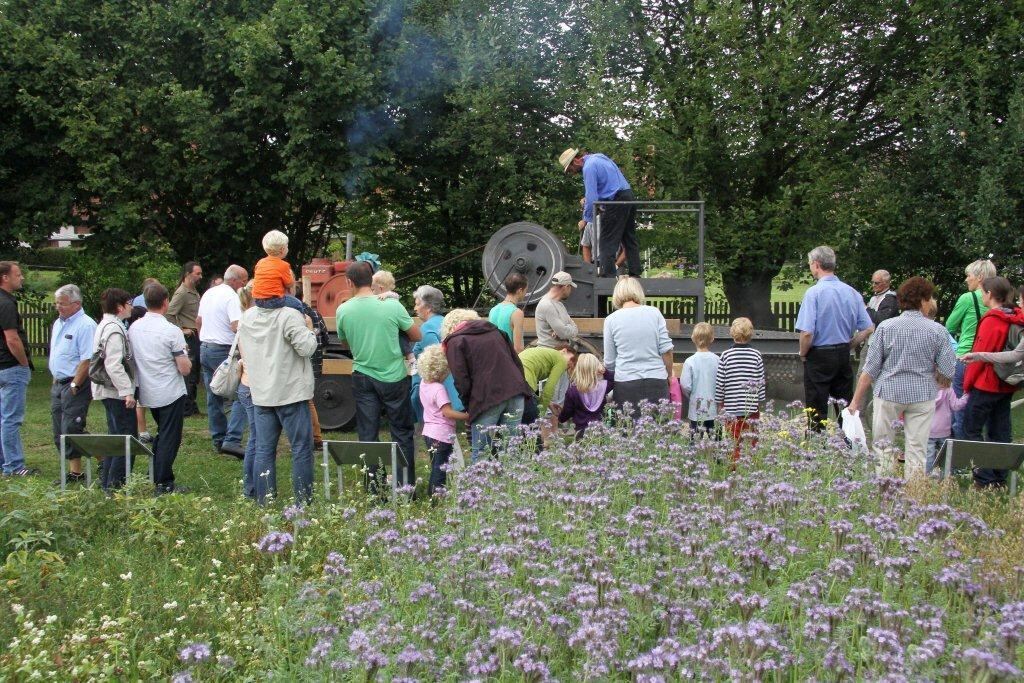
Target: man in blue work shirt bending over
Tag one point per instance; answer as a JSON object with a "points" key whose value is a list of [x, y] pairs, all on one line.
{"points": [[604, 182]]}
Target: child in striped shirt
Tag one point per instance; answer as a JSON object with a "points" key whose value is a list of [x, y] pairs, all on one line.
{"points": [[740, 384]]}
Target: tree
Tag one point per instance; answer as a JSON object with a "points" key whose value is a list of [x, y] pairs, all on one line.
{"points": [[954, 191], [477, 109], [764, 109], [203, 125], [38, 79]]}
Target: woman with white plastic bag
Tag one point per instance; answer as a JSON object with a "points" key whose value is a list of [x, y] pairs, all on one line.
{"points": [[905, 354]]}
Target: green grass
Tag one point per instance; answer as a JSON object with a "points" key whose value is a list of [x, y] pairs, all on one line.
{"points": [[198, 466], [66, 554]]}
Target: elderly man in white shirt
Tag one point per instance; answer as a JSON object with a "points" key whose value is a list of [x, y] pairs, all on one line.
{"points": [[161, 357], [276, 345], [219, 313]]}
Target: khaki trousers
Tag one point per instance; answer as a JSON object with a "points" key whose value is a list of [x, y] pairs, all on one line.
{"points": [[917, 423]]}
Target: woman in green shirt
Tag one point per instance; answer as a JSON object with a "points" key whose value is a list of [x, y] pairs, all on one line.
{"points": [[507, 316], [962, 323]]}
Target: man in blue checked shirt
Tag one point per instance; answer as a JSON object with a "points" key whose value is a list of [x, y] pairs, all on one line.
{"points": [[71, 346], [604, 182]]}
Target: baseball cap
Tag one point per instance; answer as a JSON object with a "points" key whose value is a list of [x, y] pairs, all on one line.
{"points": [[562, 278]]}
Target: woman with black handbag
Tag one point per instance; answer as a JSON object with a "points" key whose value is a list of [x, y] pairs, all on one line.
{"points": [[112, 372]]}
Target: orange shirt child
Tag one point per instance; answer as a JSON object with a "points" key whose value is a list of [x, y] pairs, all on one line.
{"points": [[271, 278]]}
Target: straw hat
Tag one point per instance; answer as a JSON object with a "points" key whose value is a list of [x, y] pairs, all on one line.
{"points": [[566, 157]]}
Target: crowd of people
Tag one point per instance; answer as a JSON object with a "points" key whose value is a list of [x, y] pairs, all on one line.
{"points": [[147, 352], [930, 381]]}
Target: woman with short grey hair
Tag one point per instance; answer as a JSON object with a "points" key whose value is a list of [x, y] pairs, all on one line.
{"points": [[428, 302], [962, 323]]}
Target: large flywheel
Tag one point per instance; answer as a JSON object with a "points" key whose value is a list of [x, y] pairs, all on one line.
{"points": [[335, 405], [525, 248]]}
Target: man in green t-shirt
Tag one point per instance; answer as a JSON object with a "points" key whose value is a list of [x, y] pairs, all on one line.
{"points": [[380, 379]]}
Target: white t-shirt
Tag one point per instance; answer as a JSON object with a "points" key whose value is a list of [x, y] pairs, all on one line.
{"points": [[218, 308], [156, 343]]}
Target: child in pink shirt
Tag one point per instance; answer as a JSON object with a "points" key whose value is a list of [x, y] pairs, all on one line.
{"points": [[438, 415], [946, 403]]}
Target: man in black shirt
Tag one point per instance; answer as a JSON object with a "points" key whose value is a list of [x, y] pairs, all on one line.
{"points": [[15, 373]]}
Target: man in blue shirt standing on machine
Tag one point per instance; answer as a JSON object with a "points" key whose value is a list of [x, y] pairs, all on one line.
{"points": [[604, 182]]}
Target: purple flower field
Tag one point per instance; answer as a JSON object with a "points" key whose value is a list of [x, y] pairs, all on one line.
{"points": [[632, 555], [645, 558]]}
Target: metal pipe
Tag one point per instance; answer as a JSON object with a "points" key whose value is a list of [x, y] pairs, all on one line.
{"points": [[349, 237], [694, 202]]}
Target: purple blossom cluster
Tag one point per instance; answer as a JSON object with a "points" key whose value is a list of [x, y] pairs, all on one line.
{"points": [[637, 553], [275, 542]]}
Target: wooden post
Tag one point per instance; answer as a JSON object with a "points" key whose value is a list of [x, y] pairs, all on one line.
{"points": [[307, 291]]}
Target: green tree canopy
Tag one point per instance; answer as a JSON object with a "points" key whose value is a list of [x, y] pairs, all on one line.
{"points": [[203, 125]]}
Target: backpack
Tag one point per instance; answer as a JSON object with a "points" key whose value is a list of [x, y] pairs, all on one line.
{"points": [[1011, 373]]}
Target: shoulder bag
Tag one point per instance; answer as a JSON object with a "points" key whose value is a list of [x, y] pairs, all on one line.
{"points": [[98, 361], [228, 374], [1011, 373]]}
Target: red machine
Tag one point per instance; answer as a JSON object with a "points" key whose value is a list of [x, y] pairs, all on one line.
{"points": [[329, 288]]}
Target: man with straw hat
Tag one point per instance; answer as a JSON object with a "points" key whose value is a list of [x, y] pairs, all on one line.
{"points": [[604, 182]]}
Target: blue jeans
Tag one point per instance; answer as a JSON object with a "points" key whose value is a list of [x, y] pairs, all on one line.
{"points": [[120, 420], [958, 389], [440, 452], [508, 413], [222, 429], [294, 419], [392, 398], [280, 302], [989, 413], [13, 390], [249, 462]]}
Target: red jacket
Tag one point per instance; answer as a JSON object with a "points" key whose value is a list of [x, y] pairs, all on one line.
{"points": [[991, 336]]}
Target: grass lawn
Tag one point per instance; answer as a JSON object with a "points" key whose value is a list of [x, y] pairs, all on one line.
{"points": [[198, 466]]}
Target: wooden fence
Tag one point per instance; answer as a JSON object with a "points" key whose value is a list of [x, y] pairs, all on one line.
{"points": [[37, 317], [718, 313]]}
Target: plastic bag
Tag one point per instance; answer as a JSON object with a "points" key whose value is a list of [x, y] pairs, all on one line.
{"points": [[456, 461], [853, 430], [675, 395]]}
